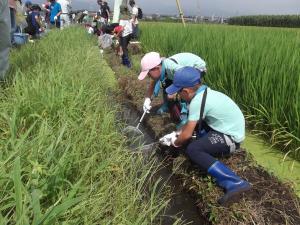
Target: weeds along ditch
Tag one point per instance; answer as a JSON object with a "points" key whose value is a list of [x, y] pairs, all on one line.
{"points": [[62, 158], [269, 202], [257, 67], [181, 207]]}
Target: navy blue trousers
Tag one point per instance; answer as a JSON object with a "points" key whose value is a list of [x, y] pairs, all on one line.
{"points": [[203, 150], [124, 41]]}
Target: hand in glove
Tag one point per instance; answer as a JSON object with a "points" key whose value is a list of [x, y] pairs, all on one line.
{"points": [[169, 139], [147, 105], [55, 18]]}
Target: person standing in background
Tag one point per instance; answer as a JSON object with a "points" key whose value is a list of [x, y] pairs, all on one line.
{"points": [[55, 12], [5, 40], [124, 33], [65, 8], [46, 9], [134, 19], [104, 11], [12, 9]]}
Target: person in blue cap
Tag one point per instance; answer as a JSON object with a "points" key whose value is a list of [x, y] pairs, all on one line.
{"points": [[224, 126], [161, 72], [28, 5]]}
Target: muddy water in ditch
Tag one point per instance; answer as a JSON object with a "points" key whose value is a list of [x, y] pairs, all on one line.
{"points": [[182, 204]]}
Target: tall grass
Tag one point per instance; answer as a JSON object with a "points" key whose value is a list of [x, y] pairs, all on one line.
{"points": [[62, 160], [258, 67]]}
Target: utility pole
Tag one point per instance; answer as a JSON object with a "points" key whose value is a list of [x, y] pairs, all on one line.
{"points": [[180, 12], [117, 4]]}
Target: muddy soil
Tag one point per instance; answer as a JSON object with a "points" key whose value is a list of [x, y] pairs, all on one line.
{"points": [[269, 202]]}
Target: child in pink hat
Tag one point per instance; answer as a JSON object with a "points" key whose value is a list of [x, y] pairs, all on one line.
{"points": [[161, 73]]}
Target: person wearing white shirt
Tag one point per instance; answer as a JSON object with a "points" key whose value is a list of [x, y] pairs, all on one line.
{"points": [[124, 33], [64, 17], [134, 19]]}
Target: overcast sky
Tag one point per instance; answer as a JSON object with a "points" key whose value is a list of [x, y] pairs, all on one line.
{"points": [[209, 7], [206, 7]]}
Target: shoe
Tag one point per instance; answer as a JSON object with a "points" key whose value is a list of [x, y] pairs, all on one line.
{"points": [[234, 186]]}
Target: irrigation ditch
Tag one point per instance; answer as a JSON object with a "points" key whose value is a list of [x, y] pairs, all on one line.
{"points": [[182, 205], [195, 195]]}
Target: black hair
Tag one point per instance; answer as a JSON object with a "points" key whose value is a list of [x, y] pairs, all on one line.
{"points": [[131, 2], [36, 7]]}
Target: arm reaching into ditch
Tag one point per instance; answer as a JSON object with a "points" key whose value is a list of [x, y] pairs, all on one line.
{"points": [[178, 138], [186, 133], [147, 103]]}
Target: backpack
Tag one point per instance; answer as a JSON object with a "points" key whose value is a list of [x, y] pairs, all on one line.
{"points": [[140, 13]]}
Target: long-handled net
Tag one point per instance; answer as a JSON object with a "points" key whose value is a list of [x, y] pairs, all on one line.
{"points": [[135, 136]]}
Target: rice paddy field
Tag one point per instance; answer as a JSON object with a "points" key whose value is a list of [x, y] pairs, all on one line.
{"points": [[258, 67], [64, 160]]}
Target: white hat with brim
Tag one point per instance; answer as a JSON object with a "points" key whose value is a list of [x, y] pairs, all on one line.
{"points": [[148, 62]]}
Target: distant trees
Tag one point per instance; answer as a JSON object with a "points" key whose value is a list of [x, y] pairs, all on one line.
{"points": [[266, 20]]}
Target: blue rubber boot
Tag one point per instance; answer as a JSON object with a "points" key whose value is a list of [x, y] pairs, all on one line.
{"points": [[234, 186]]}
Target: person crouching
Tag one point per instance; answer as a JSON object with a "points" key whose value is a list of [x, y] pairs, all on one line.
{"points": [[223, 131]]}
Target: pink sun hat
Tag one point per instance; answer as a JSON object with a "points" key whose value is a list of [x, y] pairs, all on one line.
{"points": [[148, 62]]}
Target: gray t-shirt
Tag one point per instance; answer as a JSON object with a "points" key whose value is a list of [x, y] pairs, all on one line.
{"points": [[4, 37]]}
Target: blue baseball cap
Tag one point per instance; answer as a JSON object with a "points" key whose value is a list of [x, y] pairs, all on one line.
{"points": [[185, 77], [28, 3]]}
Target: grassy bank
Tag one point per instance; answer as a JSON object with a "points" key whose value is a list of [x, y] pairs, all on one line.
{"points": [[257, 67], [62, 160]]}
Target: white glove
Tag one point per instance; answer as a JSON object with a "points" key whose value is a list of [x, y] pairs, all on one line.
{"points": [[169, 139], [147, 105], [55, 18], [108, 20]]}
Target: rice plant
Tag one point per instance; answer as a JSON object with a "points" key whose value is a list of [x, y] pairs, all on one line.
{"points": [[258, 67]]}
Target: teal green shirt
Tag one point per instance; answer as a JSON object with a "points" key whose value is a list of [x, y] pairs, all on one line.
{"points": [[182, 59], [220, 113]]}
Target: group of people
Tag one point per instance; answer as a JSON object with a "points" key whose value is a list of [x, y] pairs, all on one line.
{"points": [[13, 16], [56, 14], [210, 124], [125, 30]]}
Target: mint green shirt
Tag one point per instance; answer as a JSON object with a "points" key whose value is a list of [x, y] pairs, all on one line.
{"points": [[220, 113], [182, 59]]}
